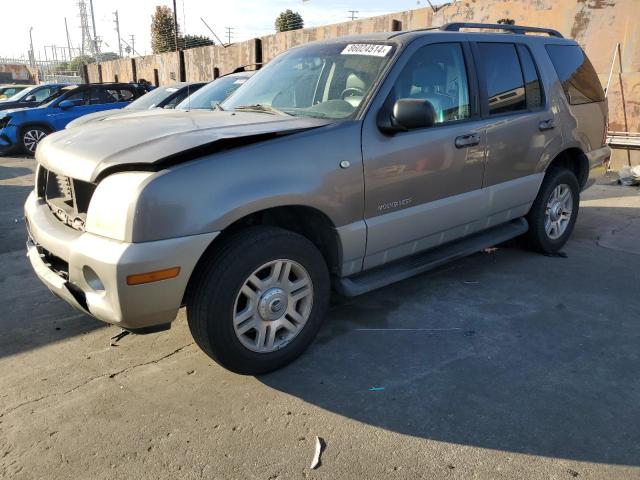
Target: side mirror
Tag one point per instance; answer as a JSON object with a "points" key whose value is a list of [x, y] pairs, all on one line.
{"points": [[67, 104], [30, 98], [407, 114]]}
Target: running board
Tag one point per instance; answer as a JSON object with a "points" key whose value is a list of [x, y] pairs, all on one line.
{"points": [[428, 260]]}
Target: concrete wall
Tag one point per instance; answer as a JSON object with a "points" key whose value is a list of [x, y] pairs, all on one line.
{"points": [[200, 63], [598, 25], [16, 73], [121, 69]]}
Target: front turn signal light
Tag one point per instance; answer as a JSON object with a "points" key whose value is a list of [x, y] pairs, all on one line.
{"points": [[148, 277]]}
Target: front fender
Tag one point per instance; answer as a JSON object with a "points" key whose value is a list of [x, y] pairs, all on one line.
{"points": [[210, 193]]}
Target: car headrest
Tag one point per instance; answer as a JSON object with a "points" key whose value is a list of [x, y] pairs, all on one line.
{"points": [[354, 81]]}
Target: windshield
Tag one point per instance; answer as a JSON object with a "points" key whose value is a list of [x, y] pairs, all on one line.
{"points": [[213, 93], [18, 95], [327, 80], [58, 94], [10, 91], [152, 99]]}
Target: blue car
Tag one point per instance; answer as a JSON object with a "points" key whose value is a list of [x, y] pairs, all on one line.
{"points": [[23, 128]]}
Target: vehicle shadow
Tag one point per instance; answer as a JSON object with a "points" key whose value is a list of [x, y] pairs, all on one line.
{"points": [[509, 350]]}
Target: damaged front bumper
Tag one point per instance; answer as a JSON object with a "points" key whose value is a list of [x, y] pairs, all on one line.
{"points": [[90, 272]]}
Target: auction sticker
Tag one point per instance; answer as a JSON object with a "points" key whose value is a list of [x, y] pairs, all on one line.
{"points": [[369, 49]]}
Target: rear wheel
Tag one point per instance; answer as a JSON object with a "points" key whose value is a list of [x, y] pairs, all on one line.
{"points": [[258, 301], [554, 212], [31, 137]]}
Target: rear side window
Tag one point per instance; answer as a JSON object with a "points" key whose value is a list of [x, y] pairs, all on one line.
{"points": [[503, 77], [532, 87], [578, 77]]}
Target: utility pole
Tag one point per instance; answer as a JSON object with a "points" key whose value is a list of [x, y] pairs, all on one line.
{"points": [[175, 23], [117, 22], [352, 14], [66, 27], [133, 43], [32, 56], [95, 35], [229, 34]]}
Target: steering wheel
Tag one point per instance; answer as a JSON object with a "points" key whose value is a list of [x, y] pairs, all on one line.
{"points": [[352, 91]]}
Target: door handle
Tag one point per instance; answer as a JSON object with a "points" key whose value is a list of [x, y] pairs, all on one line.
{"points": [[549, 124], [468, 140]]}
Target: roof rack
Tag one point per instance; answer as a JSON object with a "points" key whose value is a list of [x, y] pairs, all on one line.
{"points": [[520, 29]]}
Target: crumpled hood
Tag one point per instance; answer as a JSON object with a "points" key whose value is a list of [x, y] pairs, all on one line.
{"points": [[98, 116], [147, 137]]}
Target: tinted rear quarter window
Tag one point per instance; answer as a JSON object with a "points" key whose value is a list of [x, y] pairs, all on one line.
{"points": [[503, 77], [578, 77]]}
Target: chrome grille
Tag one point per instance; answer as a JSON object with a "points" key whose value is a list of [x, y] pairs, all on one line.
{"points": [[64, 186]]}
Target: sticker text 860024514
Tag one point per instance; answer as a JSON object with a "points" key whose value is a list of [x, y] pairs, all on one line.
{"points": [[367, 49]]}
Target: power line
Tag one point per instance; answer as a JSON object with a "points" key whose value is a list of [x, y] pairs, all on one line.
{"points": [[352, 14], [213, 33]]}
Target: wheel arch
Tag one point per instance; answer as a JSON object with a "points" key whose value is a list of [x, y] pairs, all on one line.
{"points": [[35, 123], [573, 159], [309, 222]]}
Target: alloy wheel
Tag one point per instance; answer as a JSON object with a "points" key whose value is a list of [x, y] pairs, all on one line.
{"points": [[273, 305], [558, 211], [31, 139]]}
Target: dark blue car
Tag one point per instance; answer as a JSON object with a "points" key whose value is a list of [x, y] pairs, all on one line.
{"points": [[22, 129]]}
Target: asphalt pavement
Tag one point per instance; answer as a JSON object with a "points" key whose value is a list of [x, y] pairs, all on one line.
{"points": [[503, 365]]}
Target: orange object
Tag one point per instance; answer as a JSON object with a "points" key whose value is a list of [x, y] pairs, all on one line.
{"points": [[140, 278]]}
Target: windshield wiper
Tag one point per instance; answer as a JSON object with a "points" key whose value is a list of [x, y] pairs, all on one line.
{"points": [[262, 108]]}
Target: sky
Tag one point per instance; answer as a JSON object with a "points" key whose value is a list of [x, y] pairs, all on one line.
{"points": [[249, 18]]}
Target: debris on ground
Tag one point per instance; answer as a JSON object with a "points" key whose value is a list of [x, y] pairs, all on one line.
{"points": [[116, 338], [490, 250], [315, 463], [629, 176], [470, 282], [376, 389]]}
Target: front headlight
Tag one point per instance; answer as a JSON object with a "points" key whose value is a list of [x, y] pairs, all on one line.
{"points": [[113, 205]]}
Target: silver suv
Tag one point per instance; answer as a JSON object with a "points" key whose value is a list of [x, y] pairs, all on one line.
{"points": [[351, 163]]}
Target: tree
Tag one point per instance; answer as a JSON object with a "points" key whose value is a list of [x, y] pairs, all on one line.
{"points": [[289, 20], [190, 41], [163, 32], [77, 62], [106, 56]]}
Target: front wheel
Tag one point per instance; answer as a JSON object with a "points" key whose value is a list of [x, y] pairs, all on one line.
{"points": [[31, 137], [554, 212], [258, 301]]}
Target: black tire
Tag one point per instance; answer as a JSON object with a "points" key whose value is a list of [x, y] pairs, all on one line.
{"points": [[30, 136], [211, 303], [537, 237]]}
